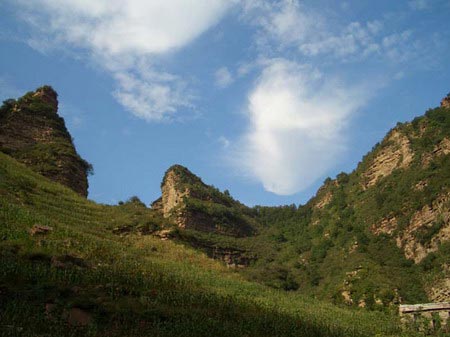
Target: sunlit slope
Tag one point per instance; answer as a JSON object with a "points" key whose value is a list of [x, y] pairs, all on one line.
{"points": [[133, 285]]}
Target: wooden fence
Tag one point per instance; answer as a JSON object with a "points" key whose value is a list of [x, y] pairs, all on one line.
{"points": [[434, 316]]}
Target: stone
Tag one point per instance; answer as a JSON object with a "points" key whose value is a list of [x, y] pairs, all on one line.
{"points": [[164, 234], [40, 230], [79, 317], [66, 261], [75, 289], [49, 309]]}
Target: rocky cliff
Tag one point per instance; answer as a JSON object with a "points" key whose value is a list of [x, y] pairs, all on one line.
{"points": [[32, 132], [191, 204], [374, 237], [445, 103]]}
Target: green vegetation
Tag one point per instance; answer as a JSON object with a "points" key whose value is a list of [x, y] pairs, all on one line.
{"points": [[32, 132], [134, 285], [206, 207], [313, 250], [109, 263]]}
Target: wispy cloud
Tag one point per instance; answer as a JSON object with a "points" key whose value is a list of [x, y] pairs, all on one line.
{"points": [[121, 35], [225, 142], [418, 4], [289, 25], [297, 120], [301, 104], [223, 77]]}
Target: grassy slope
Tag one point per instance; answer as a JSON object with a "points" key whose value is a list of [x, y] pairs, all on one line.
{"points": [[135, 285]]}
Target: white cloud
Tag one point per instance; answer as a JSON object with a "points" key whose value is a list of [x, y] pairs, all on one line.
{"points": [[225, 142], [358, 40], [297, 123], [151, 99], [223, 77], [121, 35], [291, 23], [288, 24], [418, 4], [297, 114], [282, 22]]}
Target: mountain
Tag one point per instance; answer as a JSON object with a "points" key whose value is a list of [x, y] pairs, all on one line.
{"points": [[377, 236], [32, 132], [71, 267], [373, 238]]}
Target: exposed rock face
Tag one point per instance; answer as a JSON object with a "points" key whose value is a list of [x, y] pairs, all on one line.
{"points": [[441, 149], [387, 226], [232, 257], [440, 292], [32, 132], [397, 154], [324, 195], [432, 221], [192, 204], [445, 103], [427, 229], [174, 188]]}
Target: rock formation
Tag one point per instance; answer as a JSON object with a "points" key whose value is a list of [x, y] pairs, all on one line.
{"points": [[397, 154], [445, 103], [32, 132], [434, 218], [192, 204]]}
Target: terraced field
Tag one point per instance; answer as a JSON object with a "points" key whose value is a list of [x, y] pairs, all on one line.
{"points": [[80, 279]]}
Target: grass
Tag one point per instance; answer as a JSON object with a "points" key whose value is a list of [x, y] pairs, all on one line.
{"points": [[136, 285]]}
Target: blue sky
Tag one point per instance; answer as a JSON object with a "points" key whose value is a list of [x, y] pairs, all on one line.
{"points": [[264, 98]]}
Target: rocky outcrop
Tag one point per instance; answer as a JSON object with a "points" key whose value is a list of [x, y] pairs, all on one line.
{"points": [[445, 103], [32, 132], [324, 195], [192, 204], [440, 291], [387, 226], [175, 187], [395, 154], [427, 229], [441, 149], [232, 256]]}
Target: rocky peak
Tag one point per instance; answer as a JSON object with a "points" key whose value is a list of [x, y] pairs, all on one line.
{"points": [[445, 103], [191, 204], [33, 133], [176, 185], [47, 95]]}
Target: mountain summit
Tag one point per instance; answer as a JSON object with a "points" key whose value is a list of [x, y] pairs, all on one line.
{"points": [[33, 133], [192, 204]]}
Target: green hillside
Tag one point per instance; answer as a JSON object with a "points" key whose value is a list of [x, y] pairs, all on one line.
{"points": [[135, 285], [373, 238], [365, 241], [337, 266]]}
